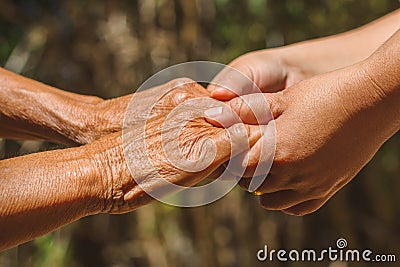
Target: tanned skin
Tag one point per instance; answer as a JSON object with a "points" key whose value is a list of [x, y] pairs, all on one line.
{"points": [[328, 127]]}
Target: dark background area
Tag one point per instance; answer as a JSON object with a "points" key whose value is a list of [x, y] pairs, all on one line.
{"points": [[108, 48]]}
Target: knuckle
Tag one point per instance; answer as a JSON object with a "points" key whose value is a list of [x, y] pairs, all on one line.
{"points": [[243, 58], [180, 82], [236, 105], [287, 153], [276, 104], [181, 96], [179, 90], [186, 88]]}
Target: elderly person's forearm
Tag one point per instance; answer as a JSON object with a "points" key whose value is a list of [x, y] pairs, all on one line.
{"points": [[32, 110], [43, 191]]}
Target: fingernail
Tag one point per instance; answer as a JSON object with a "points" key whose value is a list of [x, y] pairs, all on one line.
{"points": [[223, 94], [220, 90], [213, 113], [217, 91]]}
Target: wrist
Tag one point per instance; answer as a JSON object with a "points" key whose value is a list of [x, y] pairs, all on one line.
{"points": [[383, 82], [95, 121], [58, 116], [79, 124], [108, 163], [365, 101], [105, 117]]}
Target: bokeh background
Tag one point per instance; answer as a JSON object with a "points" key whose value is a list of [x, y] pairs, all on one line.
{"points": [[108, 48]]}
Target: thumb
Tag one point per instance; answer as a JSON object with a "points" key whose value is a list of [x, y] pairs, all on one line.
{"points": [[249, 109], [233, 80], [255, 72]]}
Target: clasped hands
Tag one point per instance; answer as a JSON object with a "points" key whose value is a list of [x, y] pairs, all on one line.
{"points": [[331, 104], [326, 128], [319, 120]]}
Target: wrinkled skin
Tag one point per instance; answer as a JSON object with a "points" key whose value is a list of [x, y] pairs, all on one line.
{"points": [[107, 116], [53, 188], [196, 140]]}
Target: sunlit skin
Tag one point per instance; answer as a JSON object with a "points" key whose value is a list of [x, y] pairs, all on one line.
{"points": [[328, 127], [35, 111], [275, 69], [43, 191]]}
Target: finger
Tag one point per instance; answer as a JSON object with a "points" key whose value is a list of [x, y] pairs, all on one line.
{"points": [[232, 81], [256, 162], [274, 183], [244, 183], [222, 174], [270, 184], [306, 207], [169, 94], [179, 90], [132, 201], [249, 74], [295, 202], [216, 173], [249, 109], [234, 140], [284, 181], [235, 165], [283, 199], [310, 206]]}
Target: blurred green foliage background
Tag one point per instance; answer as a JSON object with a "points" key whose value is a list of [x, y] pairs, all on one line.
{"points": [[108, 48]]}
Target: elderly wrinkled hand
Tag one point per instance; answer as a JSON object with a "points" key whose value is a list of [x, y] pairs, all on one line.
{"points": [[177, 145], [164, 139]]}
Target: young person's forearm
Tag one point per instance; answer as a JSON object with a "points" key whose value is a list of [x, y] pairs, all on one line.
{"points": [[43, 191], [32, 110], [385, 65], [341, 50], [370, 93], [382, 69]]}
